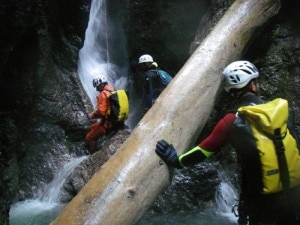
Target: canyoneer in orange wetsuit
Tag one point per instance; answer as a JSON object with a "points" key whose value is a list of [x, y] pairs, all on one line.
{"points": [[101, 112], [255, 207]]}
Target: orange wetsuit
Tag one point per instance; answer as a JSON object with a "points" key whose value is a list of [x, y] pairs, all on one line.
{"points": [[102, 111]]}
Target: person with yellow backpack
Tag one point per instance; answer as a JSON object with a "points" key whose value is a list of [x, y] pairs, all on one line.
{"points": [[266, 145], [110, 113]]}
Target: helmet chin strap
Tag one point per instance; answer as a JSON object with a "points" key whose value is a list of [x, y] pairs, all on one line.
{"points": [[100, 87], [252, 88]]}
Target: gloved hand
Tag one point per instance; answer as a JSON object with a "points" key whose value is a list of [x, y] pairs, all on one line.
{"points": [[167, 153]]}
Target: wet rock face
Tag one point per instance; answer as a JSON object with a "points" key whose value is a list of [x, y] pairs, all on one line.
{"points": [[43, 110], [191, 189], [108, 146]]}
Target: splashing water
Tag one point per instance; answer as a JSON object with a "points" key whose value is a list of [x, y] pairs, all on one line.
{"points": [[52, 190], [225, 198], [45, 208]]}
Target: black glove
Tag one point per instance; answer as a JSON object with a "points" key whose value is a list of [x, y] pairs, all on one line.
{"points": [[167, 153]]}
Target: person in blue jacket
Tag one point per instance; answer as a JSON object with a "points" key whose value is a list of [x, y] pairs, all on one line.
{"points": [[153, 86]]}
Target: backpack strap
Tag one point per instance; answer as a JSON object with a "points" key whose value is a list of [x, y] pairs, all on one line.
{"points": [[155, 71], [291, 127], [282, 163]]}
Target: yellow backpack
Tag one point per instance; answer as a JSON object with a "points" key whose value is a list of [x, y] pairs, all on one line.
{"points": [[119, 105], [267, 150]]}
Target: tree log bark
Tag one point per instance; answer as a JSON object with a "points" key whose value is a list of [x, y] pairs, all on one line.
{"points": [[126, 186]]}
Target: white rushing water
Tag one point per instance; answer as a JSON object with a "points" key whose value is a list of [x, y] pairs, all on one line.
{"points": [[43, 209], [226, 197], [95, 56]]}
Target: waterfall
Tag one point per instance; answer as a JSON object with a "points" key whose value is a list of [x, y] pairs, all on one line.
{"points": [[104, 50], [226, 196], [43, 209], [52, 190]]}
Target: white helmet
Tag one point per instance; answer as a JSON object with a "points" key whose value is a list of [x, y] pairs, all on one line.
{"points": [[99, 80], [238, 74], [145, 58]]}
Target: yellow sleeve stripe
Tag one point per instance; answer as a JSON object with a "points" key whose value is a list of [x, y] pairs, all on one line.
{"points": [[193, 156], [206, 153], [197, 148]]}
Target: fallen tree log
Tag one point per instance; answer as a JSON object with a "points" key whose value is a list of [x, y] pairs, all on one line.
{"points": [[126, 186]]}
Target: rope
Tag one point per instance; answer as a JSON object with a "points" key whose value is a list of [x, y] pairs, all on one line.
{"points": [[106, 33]]}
